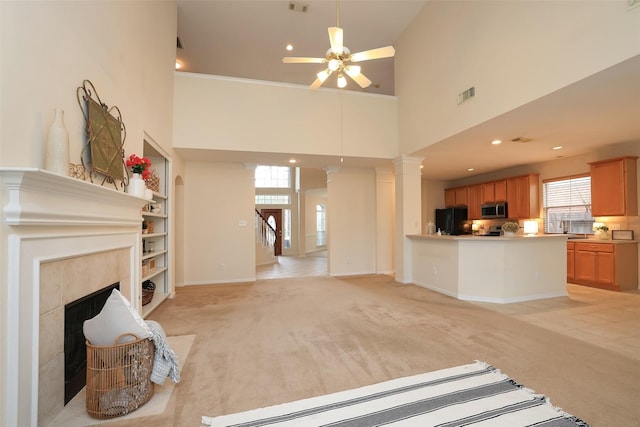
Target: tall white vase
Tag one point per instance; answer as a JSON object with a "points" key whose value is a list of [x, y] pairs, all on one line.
{"points": [[136, 185], [57, 156]]}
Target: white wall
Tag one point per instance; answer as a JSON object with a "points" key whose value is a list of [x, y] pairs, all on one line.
{"points": [[512, 52], [50, 47], [243, 115], [352, 221], [220, 249], [385, 221], [47, 49]]}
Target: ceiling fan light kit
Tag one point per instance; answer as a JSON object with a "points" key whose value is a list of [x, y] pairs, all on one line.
{"points": [[338, 59]]}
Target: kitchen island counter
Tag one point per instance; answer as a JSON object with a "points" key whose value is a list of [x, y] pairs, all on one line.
{"points": [[491, 269]]}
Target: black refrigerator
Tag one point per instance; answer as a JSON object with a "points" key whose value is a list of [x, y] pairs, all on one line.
{"points": [[453, 221]]}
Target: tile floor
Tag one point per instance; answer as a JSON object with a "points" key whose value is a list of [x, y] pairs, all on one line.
{"points": [[604, 318], [311, 265]]}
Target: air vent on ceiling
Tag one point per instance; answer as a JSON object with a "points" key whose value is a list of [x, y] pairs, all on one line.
{"points": [[467, 95], [521, 139], [179, 43], [298, 7]]}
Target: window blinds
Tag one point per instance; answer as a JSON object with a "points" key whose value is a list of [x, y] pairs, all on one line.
{"points": [[567, 205]]}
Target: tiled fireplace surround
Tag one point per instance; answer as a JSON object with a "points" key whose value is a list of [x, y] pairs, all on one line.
{"points": [[65, 238]]}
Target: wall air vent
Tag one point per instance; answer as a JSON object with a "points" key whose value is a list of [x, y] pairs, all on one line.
{"points": [[298, 7], [467, 95]]}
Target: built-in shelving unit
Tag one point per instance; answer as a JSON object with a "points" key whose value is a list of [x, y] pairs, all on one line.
{"points": [[155, 235]]}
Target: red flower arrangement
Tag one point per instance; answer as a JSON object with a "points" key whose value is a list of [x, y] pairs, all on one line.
{"points": [[140, 165]]}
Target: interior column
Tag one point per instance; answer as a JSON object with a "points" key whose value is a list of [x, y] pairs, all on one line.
{"points": [[408, 212]]}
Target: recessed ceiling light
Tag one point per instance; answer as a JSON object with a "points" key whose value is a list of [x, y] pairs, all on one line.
{"points": [[558, 147], [289, 47], [292, 161], [496, 142], [470, 169]]}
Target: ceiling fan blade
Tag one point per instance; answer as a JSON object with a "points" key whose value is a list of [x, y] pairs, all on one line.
{"points": [[361, 79], [316, 84], [322, 76], [381, 52], [335, 38], [302, 60]]}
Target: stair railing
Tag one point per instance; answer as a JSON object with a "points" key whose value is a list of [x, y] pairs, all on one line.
{"points": [[265, 233]]}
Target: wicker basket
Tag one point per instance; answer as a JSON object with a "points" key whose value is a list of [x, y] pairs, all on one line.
{"points": [[148, 289], [153, 182], [119, 377]]}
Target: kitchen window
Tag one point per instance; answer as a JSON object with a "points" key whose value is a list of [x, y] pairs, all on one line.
{"points": [[567, 205]]}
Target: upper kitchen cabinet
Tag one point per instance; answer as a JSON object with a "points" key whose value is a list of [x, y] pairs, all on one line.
{"points": [[523, 196], [455, 197], [614, 188], [474, 201], [494, 191]]}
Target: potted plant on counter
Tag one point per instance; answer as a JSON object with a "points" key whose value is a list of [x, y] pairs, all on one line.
{"points": [[602, 232], [510, 228]]}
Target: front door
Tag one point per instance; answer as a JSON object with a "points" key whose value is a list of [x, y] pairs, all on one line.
{"points": [[274, 218]]}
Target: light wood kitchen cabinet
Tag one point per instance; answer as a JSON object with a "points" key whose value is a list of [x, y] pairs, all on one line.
{"points": [[614, 188], [473, 196], [455, 197], [488, 192], [474, 201], [570, 261], [523, 196], [494, 191], [500, 190], [603, 265], [461, 196], [449, 198]]}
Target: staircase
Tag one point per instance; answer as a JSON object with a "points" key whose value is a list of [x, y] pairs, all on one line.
{"points": [[265, 241]]}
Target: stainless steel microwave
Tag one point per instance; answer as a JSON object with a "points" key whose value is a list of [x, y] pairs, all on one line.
{"points": [[494, 210]]}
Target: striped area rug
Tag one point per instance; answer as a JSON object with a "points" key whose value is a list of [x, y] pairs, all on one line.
{"points": [[475, 395]]}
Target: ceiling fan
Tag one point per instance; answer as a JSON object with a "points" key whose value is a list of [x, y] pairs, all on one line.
{"points": [[339, 59]]}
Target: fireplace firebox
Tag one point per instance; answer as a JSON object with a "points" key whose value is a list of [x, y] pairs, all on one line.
{"points": [[75, 353]]}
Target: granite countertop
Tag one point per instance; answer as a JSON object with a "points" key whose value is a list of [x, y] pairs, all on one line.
{"points": [[617, 242], [569, 237], [469, 237]]}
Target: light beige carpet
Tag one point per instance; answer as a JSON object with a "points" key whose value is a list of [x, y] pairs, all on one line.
{"points": [[75, 413], [276, 341]]}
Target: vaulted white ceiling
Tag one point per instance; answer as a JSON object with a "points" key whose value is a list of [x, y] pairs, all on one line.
{"points": [[247, 39]]}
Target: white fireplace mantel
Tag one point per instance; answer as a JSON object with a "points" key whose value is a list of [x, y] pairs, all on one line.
{"points": [[48, 217], [40, 197]]}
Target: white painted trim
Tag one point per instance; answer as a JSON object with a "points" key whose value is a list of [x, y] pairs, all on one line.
{"points": [[52, 217]]}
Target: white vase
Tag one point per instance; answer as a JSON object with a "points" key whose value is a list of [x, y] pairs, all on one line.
{"points": [[136, 185], [57, 155], [509, 234]]}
